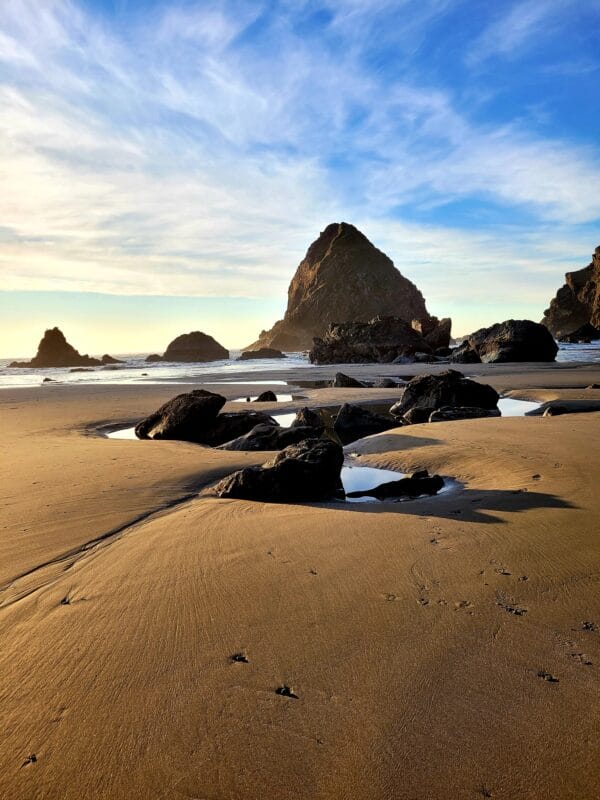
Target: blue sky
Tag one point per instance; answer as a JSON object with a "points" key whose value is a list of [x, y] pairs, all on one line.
{"points": [[168, 163]]}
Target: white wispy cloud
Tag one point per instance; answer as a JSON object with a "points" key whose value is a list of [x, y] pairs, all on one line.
{"points": [[185, 156]]}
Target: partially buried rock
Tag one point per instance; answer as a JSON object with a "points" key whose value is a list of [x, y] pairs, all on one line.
{"points": [[194, 347], [342, 381], [514, 340], [263, 352], [418, 484], [269, 437], [187, 417], [229, 426], [354, 422], [267, 397], [306, 471], [307, 418], [449, 388], [451, 413], [55, 351]]}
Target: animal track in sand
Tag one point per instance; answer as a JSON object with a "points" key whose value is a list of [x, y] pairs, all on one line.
{"points": [[502, 571], [514, 609], [546, 676], [390, 597], [484, 791], [239, 658], [536, 477], [588, 626], [460, 605], [423, 601], [286, 691], [581, 658], [31, 759]]}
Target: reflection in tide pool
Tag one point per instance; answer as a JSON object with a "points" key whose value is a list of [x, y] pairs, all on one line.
{"points": [[516, 408], [123, 433]]}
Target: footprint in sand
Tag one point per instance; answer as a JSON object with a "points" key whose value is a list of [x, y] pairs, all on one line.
{"points": [[516, 610], [423, 601], [286, 691], [239, 658], [29, 760], [462, 604], [390, 597], [546, 676], [588, 626]]}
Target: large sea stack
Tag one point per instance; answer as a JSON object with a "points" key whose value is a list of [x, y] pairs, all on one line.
{"points": [[577, 303], [54, 351], [342, 278], [190, 348]]}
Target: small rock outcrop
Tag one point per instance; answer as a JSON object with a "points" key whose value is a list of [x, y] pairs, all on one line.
{"points": [[343, 277], [263, 352], [266, 397], [577, 302], [187, 417], [353, 422], [306, 471], [106, 359], [307, 418], [54, 351], [416, 485], [509, 341], [426, 393], [382, 340], [269, 437], [190, 348], [342, 381], [452, 413]]}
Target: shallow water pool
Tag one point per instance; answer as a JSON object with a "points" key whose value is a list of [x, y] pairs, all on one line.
{"points": [[510, 407]]}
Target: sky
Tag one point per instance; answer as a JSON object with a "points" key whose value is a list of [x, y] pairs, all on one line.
{"points": [[164, 165]]}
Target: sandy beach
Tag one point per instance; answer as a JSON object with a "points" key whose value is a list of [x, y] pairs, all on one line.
{"points": [[444, 648]]}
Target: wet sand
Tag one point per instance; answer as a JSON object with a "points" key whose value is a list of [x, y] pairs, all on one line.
{"points": [[442, 648]]}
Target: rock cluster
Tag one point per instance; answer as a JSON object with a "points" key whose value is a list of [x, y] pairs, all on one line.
{"points": [[353, 422], [343, 277], [509, 341], [381, 340], [577, 302], [54, 351], [447, 395], [190, 348]]}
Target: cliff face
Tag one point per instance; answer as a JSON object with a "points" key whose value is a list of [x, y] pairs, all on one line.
{"points": [[342, 278], [577, 303]]}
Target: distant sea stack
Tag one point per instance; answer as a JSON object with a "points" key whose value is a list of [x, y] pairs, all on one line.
{"points": [[577, 303], [191, 348], [342, 278], [55, 351]]}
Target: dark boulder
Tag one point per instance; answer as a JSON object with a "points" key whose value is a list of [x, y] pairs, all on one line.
{"points": [[187, 417], [191, 348], [269, 437], [435, 332], [416, 416], [106, 359], [267, 397], [463, 354], [353, 422], [81, 369], [307, 418], [451, 413], [309, 470], [509, 341], [263, 352], [418, 484], [153, 358], [55, 351], [342, 381], [231, 425], [380, 341], [449, 388]]}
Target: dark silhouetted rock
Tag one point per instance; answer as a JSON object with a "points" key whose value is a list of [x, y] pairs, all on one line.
{"points": [[269, 437], [463, 354], [306, 471], [48, 380], [451, 413], [192, 348], [417, 485], [510, 341], [267, 397], [353, 422], [555, 408], [153, 358], [106, 359], [187, 417], [343, 277], [263, 352], [231, 425], [577, 303], [382, 340], [55, 351], [307, 418], [436, 332], [416, 416], [81, 369], [587, 333], [449, 388], [342, 381]]}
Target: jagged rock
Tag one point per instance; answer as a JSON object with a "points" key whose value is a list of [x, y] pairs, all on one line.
{"points": [[263, 352], [381, 340], [451, 413], [267, 397], [509, 341], [436, 332], [463, 354], [342, 381], [585, 334], [353, 422], [343, 277], [190, 348], [307, 418], [187, 417], [55, 351], [577, 303], [269, 437], [418, 484], [449, 388], [309, 470]]}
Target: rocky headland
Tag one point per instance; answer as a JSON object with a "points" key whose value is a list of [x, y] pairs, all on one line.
{"points": [[574, 313]]}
